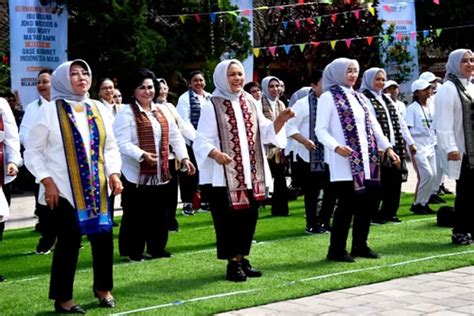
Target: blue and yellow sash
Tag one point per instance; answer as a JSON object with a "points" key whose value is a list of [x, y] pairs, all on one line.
{"points": [[88, 182]]}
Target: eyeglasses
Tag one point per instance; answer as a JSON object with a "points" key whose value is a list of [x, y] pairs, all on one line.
{"points": [[151, 87], [467, 60], [83, 73]]}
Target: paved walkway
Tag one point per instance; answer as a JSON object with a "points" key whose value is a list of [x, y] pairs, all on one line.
{"points": [[443, 293]]}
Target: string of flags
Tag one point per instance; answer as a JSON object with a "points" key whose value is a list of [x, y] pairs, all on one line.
{"points": [[399, 36]]}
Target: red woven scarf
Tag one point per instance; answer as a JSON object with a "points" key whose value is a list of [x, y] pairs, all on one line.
{"points": [[146, 141]]}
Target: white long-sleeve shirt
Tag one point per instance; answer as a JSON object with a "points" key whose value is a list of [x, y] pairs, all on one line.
{"points": [[299, 125], [184, 108], [125, 129], [401, 120], [448, 122], [30, 117], [330, 134], [44, 153], [207, 139], [420, 121]]}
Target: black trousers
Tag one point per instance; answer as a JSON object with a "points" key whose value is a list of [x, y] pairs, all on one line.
{"points": [[390, 192], [328, 204], [188, 185], [171, 196], [146, 226], [46, 225], [280, 190], [312, 184], [351, 206], [66, 254], [234, 228], [463, 209]]}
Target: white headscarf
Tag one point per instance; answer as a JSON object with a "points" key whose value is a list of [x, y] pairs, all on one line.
{"points": [[265, 84], [334, 74], [221, 82], [61, 87], [369, 78], [453, 66]]}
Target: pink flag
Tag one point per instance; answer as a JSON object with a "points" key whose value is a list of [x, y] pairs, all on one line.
{"points": [[357, 14], [333, 18], [348, 42], [436, 2], [297, 22], [272, 50], [197, 17]]}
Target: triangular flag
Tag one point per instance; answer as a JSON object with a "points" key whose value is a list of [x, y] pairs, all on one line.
{"points": [[182, 18], [315, 44], [246, 12], [399, 36], [436, 2], [438, 31], [347, 1], [256, 52], [297, 23], [285, 24], [426, 33], [272, 50], [302, 46], [262, 8], [310, 21], [287, 48], [333, 18], [197, 17], [348, 42], [300, 1], [333, 44], [386, 37], [369, 40], [281, 7], [213, 17], [318, 19], [232, 13], [372, 10], [387, 8], [357, 14], [413, 35]]}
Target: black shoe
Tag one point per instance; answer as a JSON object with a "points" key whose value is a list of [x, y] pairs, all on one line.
{"points": [[106, 302], [135, 259], [435, 199], [378, 220], [76, 309], [235, 272], [461, 239], [344, 257], [249, 271], [2, 278], [393, 219], [418, 209], [188, 209], [444, 190], [162, 254], [364, 253]]}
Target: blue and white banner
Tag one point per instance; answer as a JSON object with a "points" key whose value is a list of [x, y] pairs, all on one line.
{"points": [[402, 15], [38, 39], [248, 62]]}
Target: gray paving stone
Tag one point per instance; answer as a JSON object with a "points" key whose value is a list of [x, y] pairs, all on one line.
{"points": [[427, 307], [336, 295], [360, 310], [400, 311], [447, 313], [395, 293], [454, 302], [437, 294], [469, 309]]}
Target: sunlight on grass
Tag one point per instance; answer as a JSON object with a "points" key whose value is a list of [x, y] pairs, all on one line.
{"points": [[193, 280]]}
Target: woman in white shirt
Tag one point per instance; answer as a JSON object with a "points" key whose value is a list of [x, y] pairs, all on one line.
{"points": [[76, 159], [189, 107], [352, 138], [229, 150], [454, 126], [419, 118], [395, 129], [106, 95], [144, 136], [10, 159]]}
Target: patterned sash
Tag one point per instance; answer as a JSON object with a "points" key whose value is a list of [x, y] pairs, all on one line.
{"points": [[146, 141], [230, 144], [316, 157], [468, 117], [383, 119], [195, 108], [88, 182], [351, 135], [272, 150]]}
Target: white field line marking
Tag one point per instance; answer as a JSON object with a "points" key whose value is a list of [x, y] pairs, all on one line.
{"points": [[204, 298]]}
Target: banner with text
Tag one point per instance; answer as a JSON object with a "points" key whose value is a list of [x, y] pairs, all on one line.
{"points": [[38, 39]]}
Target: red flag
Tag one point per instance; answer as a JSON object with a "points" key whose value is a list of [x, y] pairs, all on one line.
{"points": [[333, 18], [369, 40]]}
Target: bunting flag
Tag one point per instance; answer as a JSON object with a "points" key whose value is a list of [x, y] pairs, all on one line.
{"points": [[372, 10], [272, 50], [318, 19], [438, 32], [256, 52], [297, 23], [198, 18], [182, 18], [315, 44], [287, 48], [247, 12], [333, 18], [436, 2], [399, 36], [310, 21], [285, 24], [357, 14], [348, 42], [386, 37], [426, 33], [333, 44], [413, 35], [369, 40], [213, 17], [302, 46]]}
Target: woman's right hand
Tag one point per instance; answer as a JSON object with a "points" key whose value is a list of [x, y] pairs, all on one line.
{"points": [[344, 151], [151, 158], [51, 194]]}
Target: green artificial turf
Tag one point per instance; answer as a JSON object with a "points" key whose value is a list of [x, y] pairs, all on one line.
{"points": [[192, 282]]}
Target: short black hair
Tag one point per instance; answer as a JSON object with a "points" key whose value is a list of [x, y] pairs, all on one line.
{"points": [[248, 86], [194, 73], [315, 76], [134, 80], [45, 71]]}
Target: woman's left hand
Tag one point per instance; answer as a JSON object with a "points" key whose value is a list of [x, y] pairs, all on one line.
{"points": [[393, 156], [188, 165], [115, 184], [12, 169]]}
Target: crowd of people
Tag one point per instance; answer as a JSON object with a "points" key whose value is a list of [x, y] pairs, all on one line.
{"points": [[346, 151]]}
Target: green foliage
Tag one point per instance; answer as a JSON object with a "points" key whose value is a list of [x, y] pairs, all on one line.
{"points": [[4, 70]]}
